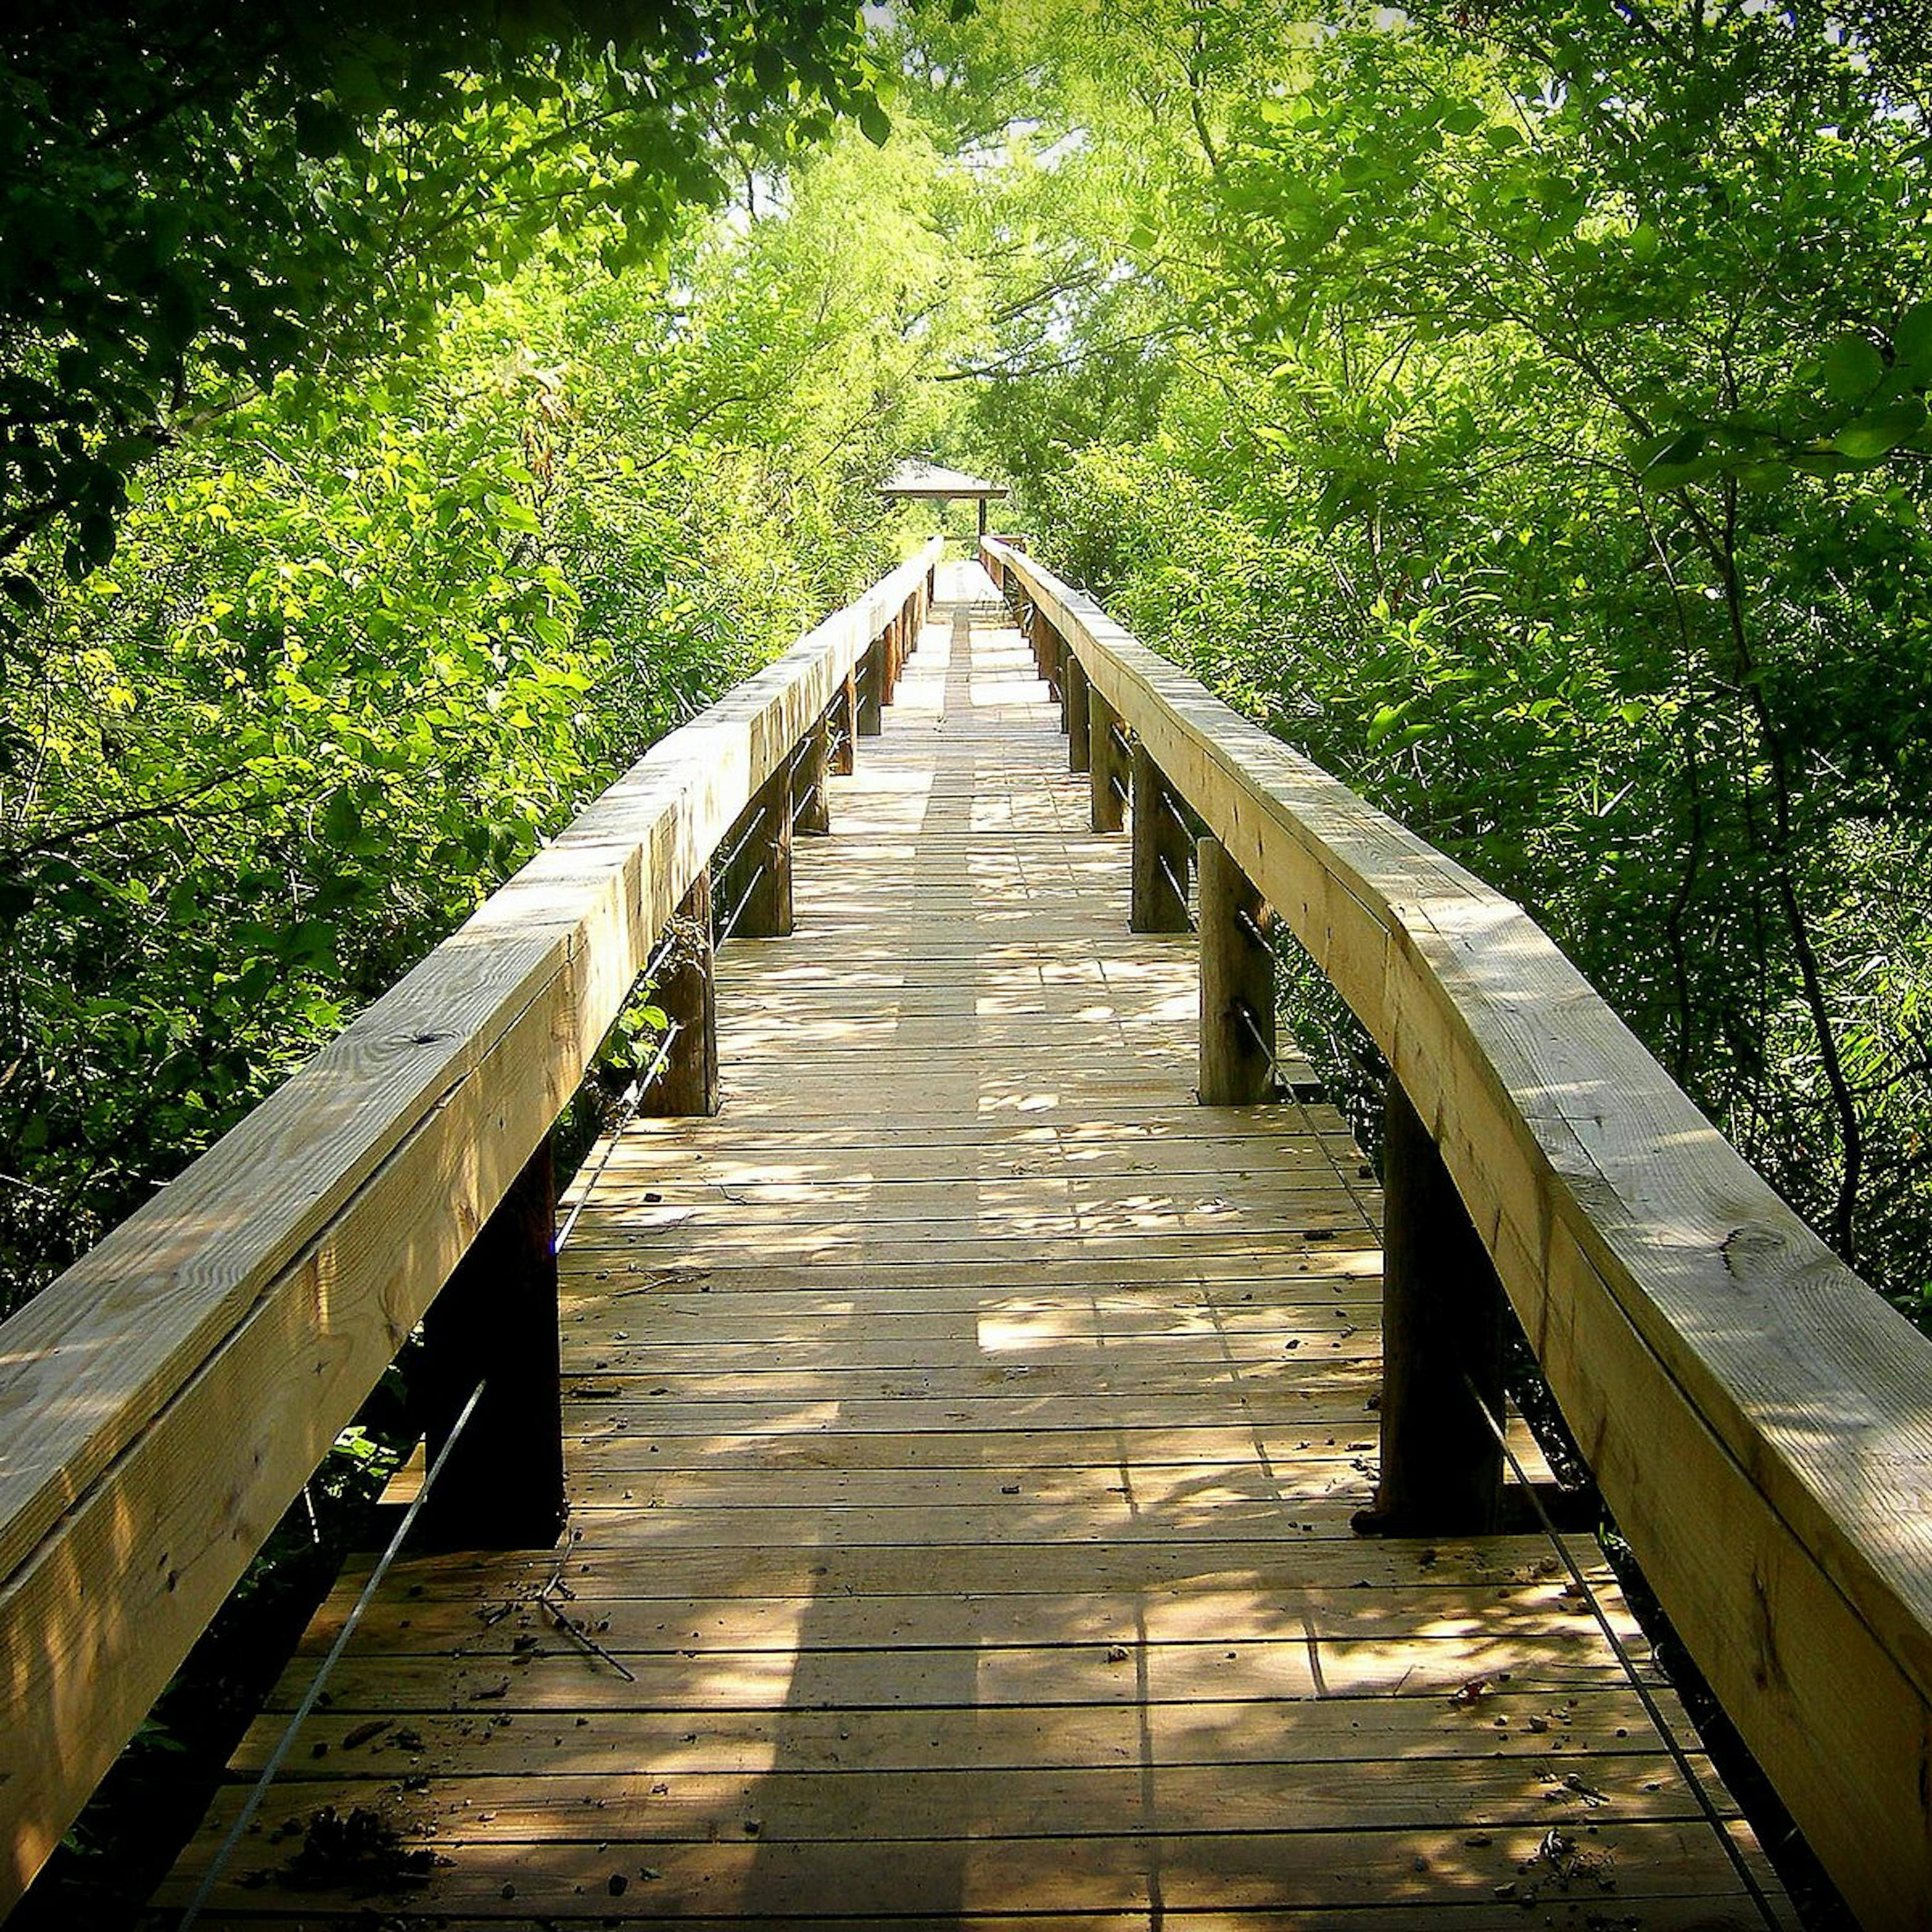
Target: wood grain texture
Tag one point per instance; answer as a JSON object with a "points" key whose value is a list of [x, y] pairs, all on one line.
{"points": [[1592, 1178], [289, 1222], [963, 1428]]}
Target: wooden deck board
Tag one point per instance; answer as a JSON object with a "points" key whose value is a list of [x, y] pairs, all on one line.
{"points": [[963, 1430]]}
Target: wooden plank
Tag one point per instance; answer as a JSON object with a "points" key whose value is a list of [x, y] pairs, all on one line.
{"points": [[1235, 1873], [842, 1806], [1580, 1726]]}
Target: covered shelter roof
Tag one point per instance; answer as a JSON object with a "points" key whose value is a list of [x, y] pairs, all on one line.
{"points": [[929, 479], [935, 483]]}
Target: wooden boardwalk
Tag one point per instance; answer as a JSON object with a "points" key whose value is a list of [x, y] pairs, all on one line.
{"points": [[963, 1430]]}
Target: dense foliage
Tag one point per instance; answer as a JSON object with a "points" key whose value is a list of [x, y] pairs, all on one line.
{"points": [[1521, 406]]}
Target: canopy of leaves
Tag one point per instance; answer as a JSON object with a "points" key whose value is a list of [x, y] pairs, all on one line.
{"points": [[197, 195], [1521, 407]]}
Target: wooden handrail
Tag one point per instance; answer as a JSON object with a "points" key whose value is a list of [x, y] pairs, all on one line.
{"points": [[1759, 1421], [164, 1401]]}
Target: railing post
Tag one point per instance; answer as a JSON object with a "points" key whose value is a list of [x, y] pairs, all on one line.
{"points": [[871, 671], [812, 801], [1442, 1337], [765, 863], [1107, 763], [496, 1321], [1079, 755], [845, 727], [1161, 851], [687, 995], [889, 660], [1237, 984]]}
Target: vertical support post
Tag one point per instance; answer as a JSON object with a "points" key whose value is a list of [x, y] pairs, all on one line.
{"points": [[1442, 1321], [812, 799], [1157, 906], [766, 862], [869, 673], [687, 994], [983, 516], [845, 722], [889, 660], [1107, 766], [496, 1322], [1237, 978], [1079, 755]]}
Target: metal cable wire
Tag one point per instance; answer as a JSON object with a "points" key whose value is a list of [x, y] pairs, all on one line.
{"points": [[1651, 1708], [1249, 1022], [1177, 885], [279, 1756], [730, 925], [730, 859], [627, 1111], [1251, 929]]}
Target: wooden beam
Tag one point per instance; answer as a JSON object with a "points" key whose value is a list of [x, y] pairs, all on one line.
{"points": [[1079, 755], [870, 681], [687, 994], [760, 881], [1107, 766], [845, 724], [1442, 1348], [1237, 1040], [1161, 853], [811, 793], [495, 1323]]}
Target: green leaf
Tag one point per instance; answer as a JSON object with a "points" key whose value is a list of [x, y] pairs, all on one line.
{"points": [[1878, 433], [1911, 341], [1384, 722], [1669, 463], [874, 123], [1852, 368]]}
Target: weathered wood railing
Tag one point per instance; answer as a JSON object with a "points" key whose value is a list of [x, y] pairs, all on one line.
{"points": [[163, 1402], [1759, 1420]]}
